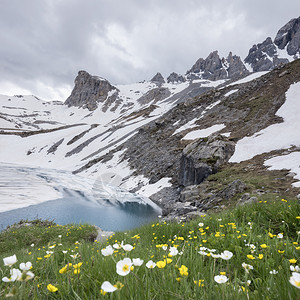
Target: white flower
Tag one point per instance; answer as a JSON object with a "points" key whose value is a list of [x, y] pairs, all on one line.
{"points": [[248, 282], [253, 247], [150, 264], [164, 247], [26, 267], [123, 266], [215, 255], [75, 255], [201, 224], [273, 272], [64, 251], [219, 220], [202, 252], [202, 248], [295, 279], [280, 235], [137, 262], [127, 247], [247, 267], [117, 246], [32, 245], [49, 252], [211, 250], [295, 269], [108, 287], [10, 260], [14, 275], [226, 255], [173, 251], [59, 236], [107, 251], [221, 278], [51, 247]]}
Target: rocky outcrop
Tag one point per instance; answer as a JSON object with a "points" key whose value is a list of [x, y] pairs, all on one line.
{"points": [[264, 57], [155, 95], [90, 90], [175, 78], [158, 79], [203, 158], [216, 68], [289, 36]]}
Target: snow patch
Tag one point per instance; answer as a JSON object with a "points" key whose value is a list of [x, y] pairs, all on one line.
{"points": [[289, 161], [201, 133], [276, 136]]}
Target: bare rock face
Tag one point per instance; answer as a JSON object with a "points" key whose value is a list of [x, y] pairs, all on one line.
{"points": [[202, 158], [216, 68], [175, 78], [158, 79], [263, 56], [289, 36], [90, 90]]}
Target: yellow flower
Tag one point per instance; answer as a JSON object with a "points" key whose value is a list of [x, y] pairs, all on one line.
{"points": [[283, 200], [51, 288], [260, 256], [280, 251], [183, 270], [263, 246], [271, 235], [118, 285], [63, 270], [293, 260], [199, 282], [298, 248], [161, 264], [76, 271], [103, 292], [77, 265], [298, 217], [204, 241], [222, 273], [169, 260], [39, 258], [178, 279], [47, 256], [250, 256]]}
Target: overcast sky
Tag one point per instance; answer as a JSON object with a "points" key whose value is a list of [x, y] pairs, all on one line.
{"points": [[44, 43]]}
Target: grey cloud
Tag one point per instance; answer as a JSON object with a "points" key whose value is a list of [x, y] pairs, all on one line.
{"points": [[48, 41]]}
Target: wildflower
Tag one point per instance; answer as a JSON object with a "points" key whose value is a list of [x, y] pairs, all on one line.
{"points": [[64, 251], [26, 267], [123, 266], [150, 264], [298, 217], [201, 224], [295, 269], [264, 246], [295, 279], [10, 260], [280, 251], [260, 256], [15, 274], [222, 273], [199, 282], [168, 260], [183, 270], [178, 279], [107, 251], [271, 235], [51, 247], [215, 255], [273, 272], [164, 247], [137, 262], [51, 288], [161, 264], [226, 255], [32, 245], [280, 235], [173, 251], [221, 278], [127, 247], [250, 256], [75, 255], [293, 260], [247, 267], [117, 246]]}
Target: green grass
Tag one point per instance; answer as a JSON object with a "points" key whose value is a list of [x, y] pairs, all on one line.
{"points": [[242, 231]]}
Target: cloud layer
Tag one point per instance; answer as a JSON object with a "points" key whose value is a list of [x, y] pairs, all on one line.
{"points": [[45, 42]]}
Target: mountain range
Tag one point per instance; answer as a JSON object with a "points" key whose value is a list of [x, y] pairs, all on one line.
{"points": [[205, 140]]}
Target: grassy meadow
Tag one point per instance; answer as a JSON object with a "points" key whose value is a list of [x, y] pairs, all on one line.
{"points": [[250, 252]]}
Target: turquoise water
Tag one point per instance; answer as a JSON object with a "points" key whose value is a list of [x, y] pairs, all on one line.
{"points": [[109, 208]]}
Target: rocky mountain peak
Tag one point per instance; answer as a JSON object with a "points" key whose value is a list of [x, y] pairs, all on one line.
{"points": [[215, 68], [289, 35], [158, 78], [175, 78], [89, 91]]}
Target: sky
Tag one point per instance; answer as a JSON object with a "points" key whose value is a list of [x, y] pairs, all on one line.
{"points": [[44, 43]]}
